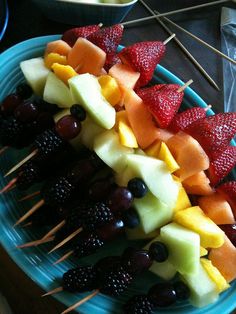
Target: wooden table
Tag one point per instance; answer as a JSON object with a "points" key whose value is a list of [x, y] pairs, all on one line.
{"points": [[27, 22]]}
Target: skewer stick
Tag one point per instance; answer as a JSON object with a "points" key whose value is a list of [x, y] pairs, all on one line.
{"points": [[28, 197], [182, 47], [175, 12], [182, 88], [201, 41], [22, 162], [3, 149], [168, 39], [64, 257], [30, 212], [90, 296], [35, 243], [56, 290], [54, 230], [67, 239], [27, 224], [8, 186]]}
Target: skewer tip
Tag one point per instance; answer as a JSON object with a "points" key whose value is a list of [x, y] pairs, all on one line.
{"points": [[56, 290]]}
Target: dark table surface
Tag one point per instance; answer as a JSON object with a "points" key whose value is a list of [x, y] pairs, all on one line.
{"points": [[26, 21]]}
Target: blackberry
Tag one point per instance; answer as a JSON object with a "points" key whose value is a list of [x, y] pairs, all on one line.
{"points": [[49, 142], [29, 174], [115, 281], [96, 215], [24, 90], [10, 132], [78, 112], [79, 279], [138, 304], [57, 192], [105, 264], [86, 244]]}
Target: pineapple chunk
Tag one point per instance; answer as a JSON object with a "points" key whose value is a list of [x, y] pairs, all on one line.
{"points": [[63, 72], [154, 149], [167, 157], [203, 251], [215, 275], [126, 135], [54, 57], [183, 201], [110, 89], [195, 219]]}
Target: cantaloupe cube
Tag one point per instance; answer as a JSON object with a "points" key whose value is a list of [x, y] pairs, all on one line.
{"points": [[164, 135], [183, 246], [167, 157], [195, 219], [215, 275], [198, 184], [217, 208], [63, 72], [110, 89], [53, 57], [224, 259], [140, 120], [58, 46], [188, 154], [124, 75], [85, 57]]}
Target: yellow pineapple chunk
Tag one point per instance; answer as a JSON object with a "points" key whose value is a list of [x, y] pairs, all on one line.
{"points": [[182, 201], [167, 157], [126, 135], [195, 219], [203, 251], [63, 72], [121, 116], [154, 149], [53, 57], [215, 275], [110, 89]]}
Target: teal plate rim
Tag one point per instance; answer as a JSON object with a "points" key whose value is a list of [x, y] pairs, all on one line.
{"points": [[32, 264]]}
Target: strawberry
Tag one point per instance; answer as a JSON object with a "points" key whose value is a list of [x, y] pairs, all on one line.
{"points": [[71, 35], [108, 39], [185, 118], [228, 190], [163, 101], [143, 57], [112, 62], [214, 132], [221, 164]]}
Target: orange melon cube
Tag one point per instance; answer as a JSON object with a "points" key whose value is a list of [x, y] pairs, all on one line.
{"points": [[224, 259], [198, 184], [188, 154], [217, 208], [58, 46], [85, 57], [124, 75], [165, 135], [140, 120]]}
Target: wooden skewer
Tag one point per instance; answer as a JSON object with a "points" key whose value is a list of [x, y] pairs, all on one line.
{"points": [[67, 239], [35, 243], [28, 197], [183, 48], [27, 224], [55, 229], [90, 296], [64, 257], [56, 290], [175, 12], [31, 155], [201, 41], [182, 88], [8, 186], [11, 188], [168, 39], [3, 149], [30, 212]]}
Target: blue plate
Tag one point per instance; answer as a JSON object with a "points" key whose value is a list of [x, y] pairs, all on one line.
{"points": [[4, 15], [34, 261]]}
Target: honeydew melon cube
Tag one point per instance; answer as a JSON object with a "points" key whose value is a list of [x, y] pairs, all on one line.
{"points": [[86, 91], [107, 146], [183, 246], [122, 178], [164, 270], [35, 73], [138, 234], [56, 92], [202, 287], [156, 176], [152, 212]]}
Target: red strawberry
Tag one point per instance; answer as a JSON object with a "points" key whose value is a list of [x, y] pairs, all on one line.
{"points": [[228, 190], [214, 132], [222, 164], [143, 57], [185, 118], [163, 101], [114, 61], [108, 39], [73, 34]]}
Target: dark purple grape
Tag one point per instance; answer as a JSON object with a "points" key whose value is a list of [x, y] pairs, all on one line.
{"points": [[99, 189], [158, 251], [106, 264], [111, 229], [162, 294], [230, 231], [120, 199], [182, 290], [24, 90], [68, 127], [78, 112], [82, 171], [135, 261], [10, 103], [137, 187], [131, 218], [26, 112]]}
